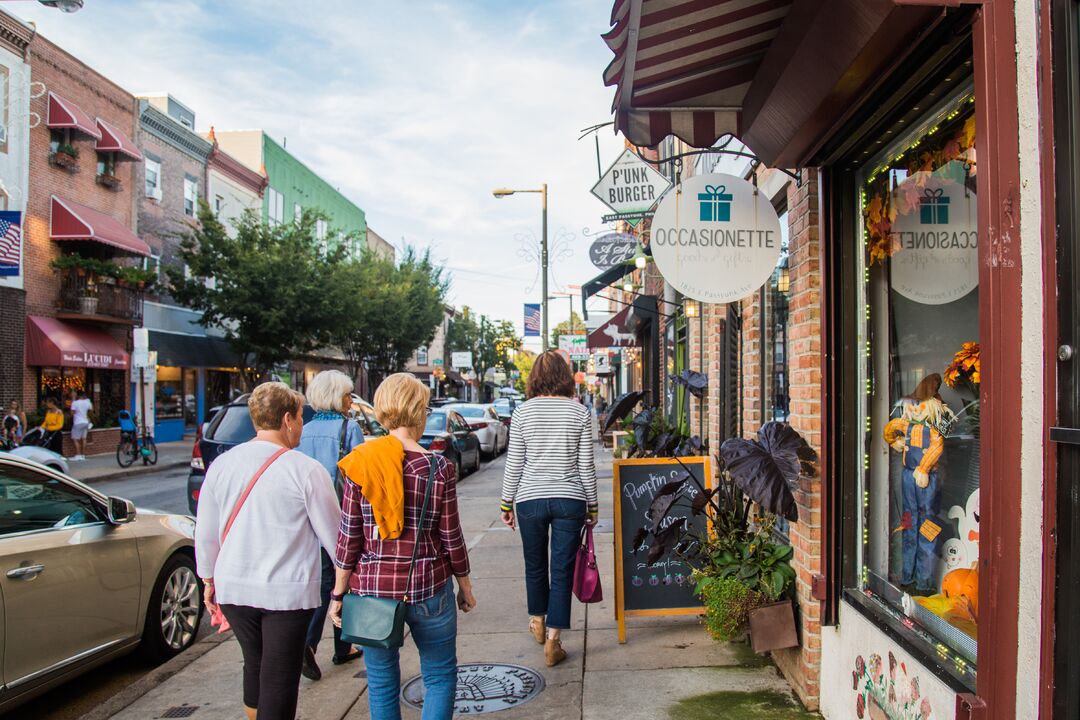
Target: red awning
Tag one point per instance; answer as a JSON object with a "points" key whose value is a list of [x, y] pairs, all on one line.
{"points": [[54, 343], [66, 114], [616, 332], [112, 140], [72, 221]]}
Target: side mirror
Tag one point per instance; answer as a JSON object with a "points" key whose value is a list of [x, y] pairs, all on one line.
{"points": [[121, 511]]}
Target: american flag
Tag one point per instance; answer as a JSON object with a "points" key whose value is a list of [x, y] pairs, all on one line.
{"points": [[532, 320], [10, 242]]}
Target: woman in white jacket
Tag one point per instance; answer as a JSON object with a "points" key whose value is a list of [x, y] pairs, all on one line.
{"points": [[265, 574]]}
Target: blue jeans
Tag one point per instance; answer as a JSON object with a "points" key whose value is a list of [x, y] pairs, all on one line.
{"points": [[920, 555], [563, 518], [433, 623]]}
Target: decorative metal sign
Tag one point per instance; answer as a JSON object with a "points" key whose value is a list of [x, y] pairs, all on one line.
{"points": [[630, 185], [716, 239], [483, 688], [934, 238], [612, 249]]}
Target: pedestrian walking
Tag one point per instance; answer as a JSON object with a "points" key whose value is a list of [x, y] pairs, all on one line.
{"points": [[328, 437], [551, 476], [80, 423], [380, 529], [264, 510], [13, 426]]}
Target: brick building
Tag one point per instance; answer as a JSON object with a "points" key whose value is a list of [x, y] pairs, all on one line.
{"points": [[82, 255]]}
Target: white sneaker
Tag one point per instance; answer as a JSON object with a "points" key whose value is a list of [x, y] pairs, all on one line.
{"points": [[77, 458]]}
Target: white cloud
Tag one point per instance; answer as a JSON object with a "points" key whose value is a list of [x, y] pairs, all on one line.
{"points": [[415, 110]]}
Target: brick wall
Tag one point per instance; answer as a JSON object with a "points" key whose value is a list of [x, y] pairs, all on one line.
{"points": [[12, 318], [98, 97], [802, 665]]}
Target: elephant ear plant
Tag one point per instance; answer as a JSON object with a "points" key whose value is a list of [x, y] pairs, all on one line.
{"points": [[738, 565]]}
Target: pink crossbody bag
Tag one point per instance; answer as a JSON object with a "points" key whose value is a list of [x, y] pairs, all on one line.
{"points": [[217, 618]]}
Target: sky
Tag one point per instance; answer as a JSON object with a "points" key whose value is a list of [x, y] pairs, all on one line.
{"points": [[413, 109]]}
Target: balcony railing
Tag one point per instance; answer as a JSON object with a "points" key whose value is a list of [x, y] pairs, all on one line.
{"points": [[101, 298]]}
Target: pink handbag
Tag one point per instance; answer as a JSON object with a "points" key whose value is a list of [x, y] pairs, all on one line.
{"points": [[217, 618], [586, 575]]}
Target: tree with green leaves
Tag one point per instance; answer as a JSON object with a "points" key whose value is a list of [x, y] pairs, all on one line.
{"points": [[574, 326], [490, 342], [266, 287]]}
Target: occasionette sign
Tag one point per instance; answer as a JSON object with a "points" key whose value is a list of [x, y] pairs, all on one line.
{"points": [[716, 239], [630, 185]]}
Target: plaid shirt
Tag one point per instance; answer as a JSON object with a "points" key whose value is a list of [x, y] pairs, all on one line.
{"points": [[381, 567]]}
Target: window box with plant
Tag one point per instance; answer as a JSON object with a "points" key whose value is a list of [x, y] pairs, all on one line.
{"points": [[66, 157], [107, 179]]}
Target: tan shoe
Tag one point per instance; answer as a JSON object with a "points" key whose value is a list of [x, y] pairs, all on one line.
{"points": [[536, 627], [553, 652]]}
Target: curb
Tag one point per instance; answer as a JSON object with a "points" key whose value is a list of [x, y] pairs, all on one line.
{"points": [[134, 471], [155, 677]]}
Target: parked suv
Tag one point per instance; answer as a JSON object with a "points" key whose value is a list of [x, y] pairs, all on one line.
{"points": [[231, 425]]}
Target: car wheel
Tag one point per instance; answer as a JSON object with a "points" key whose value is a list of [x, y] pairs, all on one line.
{"points": [[458, 469], [176, 607]]}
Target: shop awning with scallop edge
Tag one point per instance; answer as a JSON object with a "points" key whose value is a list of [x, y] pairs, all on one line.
{"points": [[777, 74], [112, 140], [71, 221], [55, 343], [66, 115]]}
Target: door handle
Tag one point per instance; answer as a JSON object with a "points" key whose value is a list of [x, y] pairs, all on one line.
{"points": [[25, 572], [1066, 435]]}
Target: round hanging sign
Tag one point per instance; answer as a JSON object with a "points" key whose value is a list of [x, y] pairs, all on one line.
{"points": [[715, 239], [935, 236], [612, 249]]}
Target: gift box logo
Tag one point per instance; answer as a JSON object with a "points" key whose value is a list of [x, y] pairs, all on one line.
{"points": [[934, 207], [714, 204]]}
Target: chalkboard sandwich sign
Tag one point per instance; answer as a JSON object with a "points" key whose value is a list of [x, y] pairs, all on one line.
{"points": [[651, 581]]}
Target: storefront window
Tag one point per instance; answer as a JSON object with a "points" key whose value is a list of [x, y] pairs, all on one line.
{"points": [[169, 403], [105, 388], [222, 387], [774, 295], [919, 359]]}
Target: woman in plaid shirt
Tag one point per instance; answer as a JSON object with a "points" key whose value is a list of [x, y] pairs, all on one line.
{"points": [[376, 541]]}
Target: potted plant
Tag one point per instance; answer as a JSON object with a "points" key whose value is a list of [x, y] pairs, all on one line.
{"points": [[743, 576], [65, 156], [88, 302], [110, 181]]}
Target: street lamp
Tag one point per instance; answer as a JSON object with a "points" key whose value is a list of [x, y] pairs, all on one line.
{"points": [[68, 6], [503, 192]]}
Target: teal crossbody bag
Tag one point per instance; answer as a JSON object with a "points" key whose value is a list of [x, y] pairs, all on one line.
{"points": [[380, 622]]}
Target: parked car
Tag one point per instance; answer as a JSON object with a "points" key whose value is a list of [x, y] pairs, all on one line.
{"points": [[483, 420], [86, 578], [505, 407], [447, 434], [231, 425], [42, 455]]}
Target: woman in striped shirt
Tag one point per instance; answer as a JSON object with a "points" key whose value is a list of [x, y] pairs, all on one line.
{"points": [[551, 475]]}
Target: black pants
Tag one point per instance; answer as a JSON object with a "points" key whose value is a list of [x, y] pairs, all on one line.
{"points": [[272, 642], [318, 620]]}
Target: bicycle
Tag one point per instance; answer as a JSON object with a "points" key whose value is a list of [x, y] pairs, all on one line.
{"points": [[132, 445]]}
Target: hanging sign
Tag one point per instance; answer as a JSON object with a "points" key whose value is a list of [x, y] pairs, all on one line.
{"points": [[612, 249], [532, 319], [10, 242], [616, 332], [716, 239], [576, 345], [630, 185], [461, 359], [935, 236]]}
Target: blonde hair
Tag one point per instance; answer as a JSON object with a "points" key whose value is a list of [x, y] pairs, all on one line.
{"points": [[271, 402], [401, 401], [326, 390]]}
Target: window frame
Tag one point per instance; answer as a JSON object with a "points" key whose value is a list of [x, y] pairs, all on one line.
{"points": [[422, 355], [191, 187], [155, 165], [99, 501]]}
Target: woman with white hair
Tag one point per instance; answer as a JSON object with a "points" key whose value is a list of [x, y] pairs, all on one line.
{"points": [[329, 436]]}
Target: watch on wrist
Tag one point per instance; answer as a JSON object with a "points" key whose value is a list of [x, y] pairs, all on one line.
{"points": [[337, 597]]}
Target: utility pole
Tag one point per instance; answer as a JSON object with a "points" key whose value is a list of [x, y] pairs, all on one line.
{"points": [[504, 192]]}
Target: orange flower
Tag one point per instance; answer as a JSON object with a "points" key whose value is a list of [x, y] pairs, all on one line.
{"points": [[966, 365]]}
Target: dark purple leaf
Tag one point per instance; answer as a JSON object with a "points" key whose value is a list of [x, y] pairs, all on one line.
{"points": [[662, 502], [656, 551], [662, 442], [768, 468], [639, 538], [700, 501], [621, 407]]}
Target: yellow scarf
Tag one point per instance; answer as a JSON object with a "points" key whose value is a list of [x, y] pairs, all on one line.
{"points": [[377, 468]]}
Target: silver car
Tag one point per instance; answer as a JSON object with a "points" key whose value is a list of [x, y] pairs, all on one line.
{"points": [[484, 420], [85, 578]]}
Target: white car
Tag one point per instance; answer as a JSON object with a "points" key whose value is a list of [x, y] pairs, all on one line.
{"points": [[484, 420], [42, 455]]}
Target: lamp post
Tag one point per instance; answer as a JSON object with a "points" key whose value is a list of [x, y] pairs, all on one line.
{"points": [[503, 192]]}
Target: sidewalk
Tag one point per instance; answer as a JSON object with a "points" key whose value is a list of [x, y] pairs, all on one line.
{"points": [[96, 468], [669, 668]]}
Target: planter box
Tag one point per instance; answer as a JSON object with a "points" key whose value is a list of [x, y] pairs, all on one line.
{"points": [[98, 442], [88, 305], [772, 627], [64, 162], [110, 181]]}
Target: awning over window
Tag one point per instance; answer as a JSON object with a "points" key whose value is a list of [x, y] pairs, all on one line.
{"points": [[777, 74], [64, 114], [177, 350], [616, 332], [72, 221], [598, 283], [54, 343], [112, 140]]}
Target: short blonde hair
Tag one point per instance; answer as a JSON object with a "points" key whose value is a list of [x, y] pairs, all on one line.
{"points": [[271, 402], [401, 401], [326, 390]]}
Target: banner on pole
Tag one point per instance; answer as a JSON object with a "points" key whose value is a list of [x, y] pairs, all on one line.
{"points": [[532, 319]]}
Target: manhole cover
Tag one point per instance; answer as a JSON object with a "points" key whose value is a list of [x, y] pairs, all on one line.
{"points": [[483, 688]]}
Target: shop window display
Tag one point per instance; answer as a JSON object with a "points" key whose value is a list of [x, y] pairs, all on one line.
{"points": [[919, 318]]}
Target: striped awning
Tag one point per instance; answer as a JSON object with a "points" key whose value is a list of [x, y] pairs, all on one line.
{"points": [[683, 67]]}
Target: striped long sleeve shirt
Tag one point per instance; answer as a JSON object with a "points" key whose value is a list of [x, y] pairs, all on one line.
{"points": [[551, 453]]}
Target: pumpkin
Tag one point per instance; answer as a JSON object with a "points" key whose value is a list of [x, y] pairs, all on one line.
{"points": [[962, 582]]}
